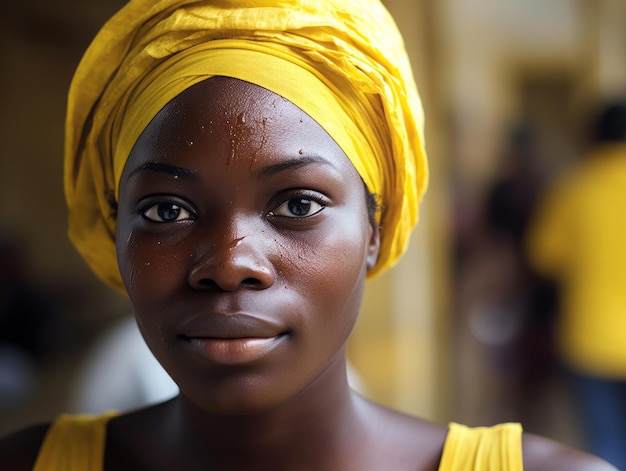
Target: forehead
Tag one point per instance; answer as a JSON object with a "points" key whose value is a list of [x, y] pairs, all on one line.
{"points": [[226, 112], [233, 134], [225, 96]]}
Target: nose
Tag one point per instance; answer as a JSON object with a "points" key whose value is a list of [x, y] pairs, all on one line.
{"points": [[231, 261]]}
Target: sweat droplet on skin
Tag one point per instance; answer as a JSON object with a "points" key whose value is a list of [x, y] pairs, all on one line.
{"points": [[232, 152]]}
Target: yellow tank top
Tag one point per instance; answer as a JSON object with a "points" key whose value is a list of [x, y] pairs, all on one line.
{"points": [[483, 448], [76, 443]]}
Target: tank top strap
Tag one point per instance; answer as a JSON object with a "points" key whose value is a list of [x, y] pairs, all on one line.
{"points": [[74, 443], [496, 448]]}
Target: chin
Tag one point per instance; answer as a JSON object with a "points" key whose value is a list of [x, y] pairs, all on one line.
{"points": [[235, 404]]}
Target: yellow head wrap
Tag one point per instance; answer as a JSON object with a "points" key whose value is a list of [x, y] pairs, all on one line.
{"points": [[343, 62]]}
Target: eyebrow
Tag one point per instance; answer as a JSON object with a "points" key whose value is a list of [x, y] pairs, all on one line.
{"points": [[292, 164], [263, 172], [164, 168]]}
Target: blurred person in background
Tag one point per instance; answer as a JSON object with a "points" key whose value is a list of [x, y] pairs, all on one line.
{"points": [[526, 355], [577, 238]]}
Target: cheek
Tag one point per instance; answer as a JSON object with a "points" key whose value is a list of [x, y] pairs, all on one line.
{"points": [[147, 266], [332, 271], [126, 250], [132, 260], [149, 271]]}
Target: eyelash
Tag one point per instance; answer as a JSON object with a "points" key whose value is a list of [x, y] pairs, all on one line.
{"points": [[302, 195], [156, 202]]}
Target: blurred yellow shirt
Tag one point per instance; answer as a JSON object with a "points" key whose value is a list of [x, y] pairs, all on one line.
{"points": [[578, 238]]}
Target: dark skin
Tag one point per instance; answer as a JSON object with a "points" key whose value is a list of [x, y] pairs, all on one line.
{"points": [[243, 240]]}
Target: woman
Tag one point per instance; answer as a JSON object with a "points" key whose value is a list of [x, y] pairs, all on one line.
{"points": [[239, 168]]}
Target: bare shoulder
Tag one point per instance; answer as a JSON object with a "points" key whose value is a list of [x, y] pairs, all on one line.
{"points": [[543, 454], [18, 451], [407, 442]]}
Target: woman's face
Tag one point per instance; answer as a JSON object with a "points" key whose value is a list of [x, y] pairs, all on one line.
{"points": [[243, 240]]}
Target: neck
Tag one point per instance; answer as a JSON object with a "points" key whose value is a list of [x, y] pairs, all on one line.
{"points": [[322, 418]]}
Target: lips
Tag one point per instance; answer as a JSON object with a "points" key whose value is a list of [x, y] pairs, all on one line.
{"points": [[232, 339]]}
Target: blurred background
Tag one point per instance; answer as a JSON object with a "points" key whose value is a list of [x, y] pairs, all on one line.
{"points": [[461, 329]]}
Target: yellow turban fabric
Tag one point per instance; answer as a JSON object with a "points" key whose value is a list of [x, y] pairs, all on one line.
{"points": [[343, 62]]}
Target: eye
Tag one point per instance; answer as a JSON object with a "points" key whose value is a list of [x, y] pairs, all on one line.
{"points": [[166, 212], [300, 207]]}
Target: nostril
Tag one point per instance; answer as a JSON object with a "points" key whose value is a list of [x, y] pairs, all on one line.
{"points": [[227, 285], [251, 282], [208, 283], [231, 265]]}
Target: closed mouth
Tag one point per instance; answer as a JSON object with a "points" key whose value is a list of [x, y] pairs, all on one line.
{"points": [[232, 351], [231, 326], [230, 339]]}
